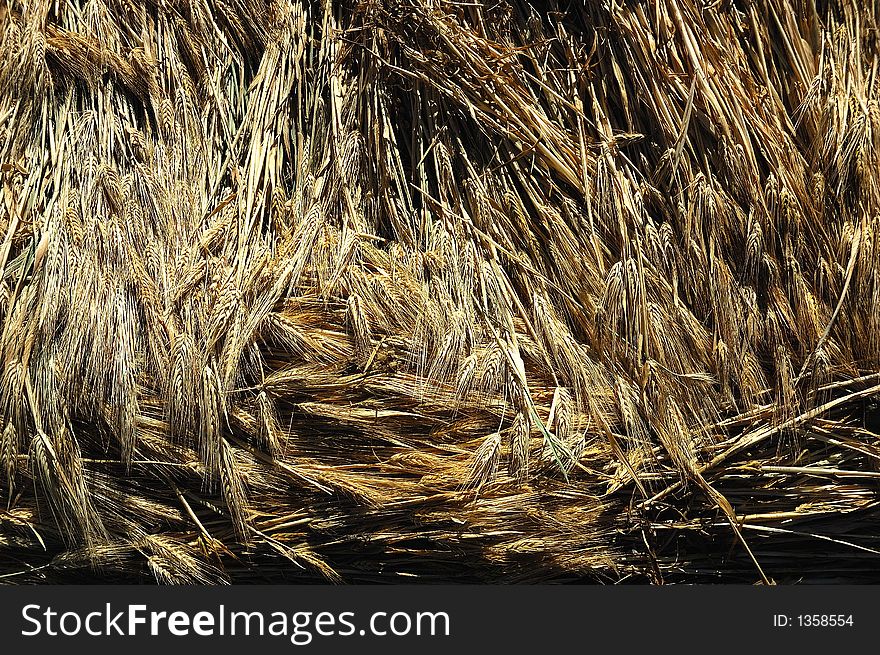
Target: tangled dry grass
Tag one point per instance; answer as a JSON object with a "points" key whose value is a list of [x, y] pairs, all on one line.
{"points": [[425, 290]]}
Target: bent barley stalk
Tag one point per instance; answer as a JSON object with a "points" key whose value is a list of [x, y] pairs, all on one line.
{"points": [[484, 291]]}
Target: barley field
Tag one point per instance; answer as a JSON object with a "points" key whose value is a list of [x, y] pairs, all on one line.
{"points": [[439, 291]]}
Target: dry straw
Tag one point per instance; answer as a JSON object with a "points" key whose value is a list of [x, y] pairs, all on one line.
{"points": [[444, 291]]}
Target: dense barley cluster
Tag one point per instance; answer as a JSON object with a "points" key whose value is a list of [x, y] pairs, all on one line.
{"points": [[425, 290]]}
